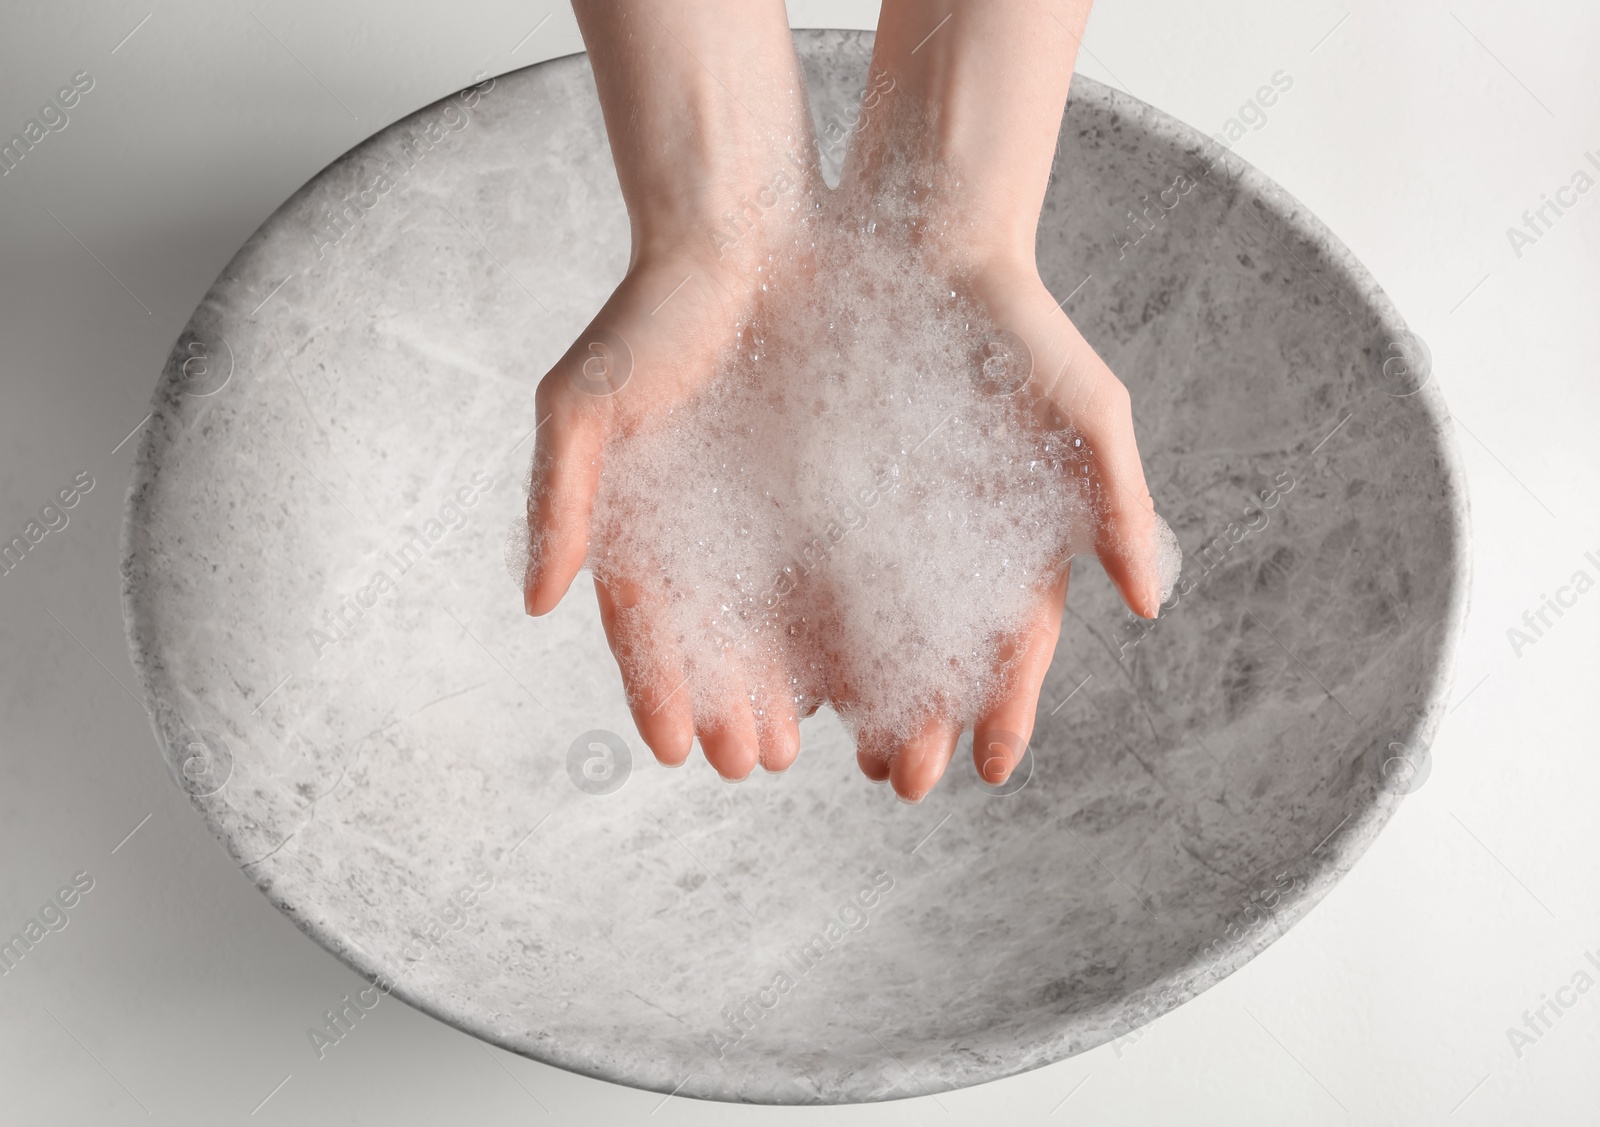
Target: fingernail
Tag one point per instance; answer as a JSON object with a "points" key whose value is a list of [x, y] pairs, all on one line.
{"points": [[997, 765], [910, 801], [527, 601]]}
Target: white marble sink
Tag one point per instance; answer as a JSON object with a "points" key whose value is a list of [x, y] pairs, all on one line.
{"points": [[356, 401]]}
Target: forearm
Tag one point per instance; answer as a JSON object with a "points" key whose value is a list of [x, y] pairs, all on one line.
{"points": [[986, 81], [701, 99]]}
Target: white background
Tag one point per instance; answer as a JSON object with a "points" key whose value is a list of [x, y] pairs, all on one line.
{"points": [[1417, 132]]}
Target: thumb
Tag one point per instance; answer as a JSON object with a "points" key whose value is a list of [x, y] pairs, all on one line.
{"points": [[1130, 539], [564, 478]]}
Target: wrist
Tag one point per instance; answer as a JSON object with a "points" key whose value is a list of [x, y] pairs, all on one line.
{"points": [[704, 106], [731, 222], [944, 66], [965, 191]]}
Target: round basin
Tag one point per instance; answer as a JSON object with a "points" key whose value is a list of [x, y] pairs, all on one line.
{"points": [[451, 796]]}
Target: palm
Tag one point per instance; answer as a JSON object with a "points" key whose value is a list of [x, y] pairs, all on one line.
{"points": [[656, 342]]}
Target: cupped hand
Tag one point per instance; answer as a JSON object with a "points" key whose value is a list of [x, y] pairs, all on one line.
{"points": [[978, 92], [705, 111], [653, 344], [1068, 386], [704, 103]]}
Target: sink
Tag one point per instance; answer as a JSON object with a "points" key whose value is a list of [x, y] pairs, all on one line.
{"points": [[451, 797]]}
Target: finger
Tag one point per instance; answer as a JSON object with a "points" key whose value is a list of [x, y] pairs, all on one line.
{"points": [[918, 763], [780, 744], [789, 690], [566, 475], [874, 750], [652, 672], [727, 730], [874, 765], [1001, 734], [777, 724], [1098, 407]]}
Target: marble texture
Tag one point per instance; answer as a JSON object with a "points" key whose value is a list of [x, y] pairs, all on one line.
{"points": [[354, 396]]}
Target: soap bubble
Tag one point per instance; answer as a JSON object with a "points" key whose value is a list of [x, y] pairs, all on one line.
{"points": [[1169, 559], [859, 497]]}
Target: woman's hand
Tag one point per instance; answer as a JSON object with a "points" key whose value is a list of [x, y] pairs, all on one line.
{"points": [[978, 91], [1069, 386], [703, 115], [705, 110]]}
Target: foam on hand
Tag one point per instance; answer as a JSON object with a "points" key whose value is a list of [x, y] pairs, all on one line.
{"points": [[858, 508]]}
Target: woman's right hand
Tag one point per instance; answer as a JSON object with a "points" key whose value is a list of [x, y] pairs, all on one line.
{"points": [[705, 108]]}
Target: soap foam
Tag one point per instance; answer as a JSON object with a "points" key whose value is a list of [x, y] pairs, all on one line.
{"points": [[858, 508]]}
